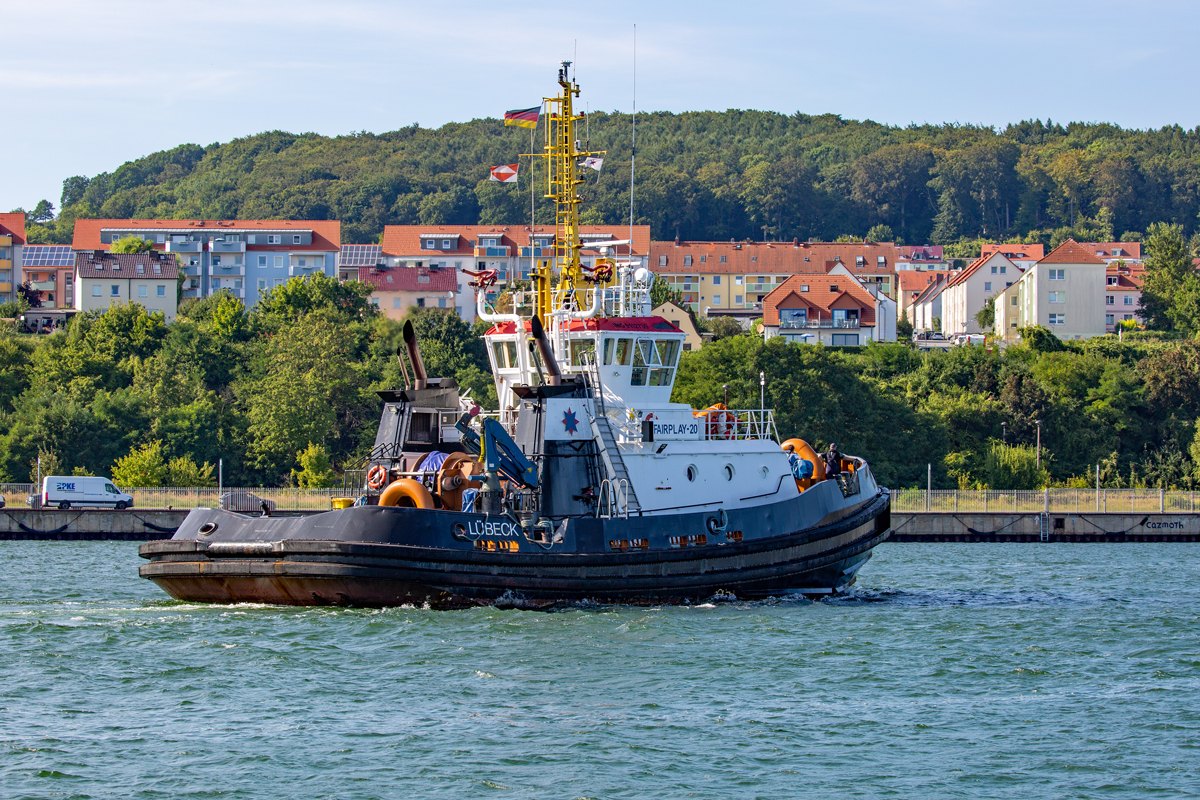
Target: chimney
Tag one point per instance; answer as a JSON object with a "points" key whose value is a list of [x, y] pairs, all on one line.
{"points": [[796, 242], [677, 239]]}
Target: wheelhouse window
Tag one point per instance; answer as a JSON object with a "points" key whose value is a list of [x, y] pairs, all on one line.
{"points": [[579, 349], [617, 352], [505, 354], [653, 362]]}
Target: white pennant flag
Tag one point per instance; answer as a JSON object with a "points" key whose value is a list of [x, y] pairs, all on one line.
{"points": [[593, 162]]}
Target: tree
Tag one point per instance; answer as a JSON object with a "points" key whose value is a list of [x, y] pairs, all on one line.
{"points": [[892, 181], [183, 471], [904, 328], [663, 292], [42, 212], [28, 297], [131, 244], [986, 316], [723, 327], [881, 233], [1169, 270], [143, 466], [1009, 467], [315, 471]]}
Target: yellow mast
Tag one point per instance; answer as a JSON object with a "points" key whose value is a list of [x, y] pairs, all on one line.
{"points": [[562, 156]]}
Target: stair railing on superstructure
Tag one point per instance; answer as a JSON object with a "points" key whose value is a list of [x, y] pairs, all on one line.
{"points": [[613, 501]]}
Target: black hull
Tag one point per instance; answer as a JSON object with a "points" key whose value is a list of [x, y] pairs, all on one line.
{"points": [[302, 567]]}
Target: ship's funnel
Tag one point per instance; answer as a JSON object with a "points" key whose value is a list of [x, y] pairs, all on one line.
{"points": [[414, 355], [548, 361]]}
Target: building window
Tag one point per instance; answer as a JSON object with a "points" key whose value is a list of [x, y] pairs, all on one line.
{"points": [[1058, 319], [216, 261], [96, 290], [737, 280], [687, 261], [296, 239], [162, 291], [141, 290], [141, 269], [662, 261], [262, 261], [804, 287], [278, 262], [1003, 270], [274, 239], [302, 261], [237, 283], [737, 299], [375, 302], [716, 299], [1108, 319], [262, 284], [1109, 300], [441, 302], [160, 238], [1129, 316], [722, 259], [845, 339], [1058, 274], [319, 262], [703, 259], [396, 302], [1113, 280], [987, 286], [1128, 300], [754, 258], [278, 282], [716, 280], [445, 244], [237, 261], [1058, 297], [216, 284], [116, 290], [1014, 301]]}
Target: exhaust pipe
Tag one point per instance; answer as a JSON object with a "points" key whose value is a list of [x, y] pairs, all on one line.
{"points": [[551, 365], [414, 356]]}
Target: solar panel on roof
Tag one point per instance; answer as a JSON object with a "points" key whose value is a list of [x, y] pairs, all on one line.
{"points": [[361, 255], [47, 255]]}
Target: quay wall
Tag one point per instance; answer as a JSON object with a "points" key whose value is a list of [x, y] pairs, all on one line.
{"points": [[135, 525], [1039, 526]]}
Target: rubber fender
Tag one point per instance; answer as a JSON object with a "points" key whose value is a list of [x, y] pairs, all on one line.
{"points": [[407, 493], [804, 450]]}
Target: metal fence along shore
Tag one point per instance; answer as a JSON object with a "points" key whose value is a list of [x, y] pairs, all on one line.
{"points": [[1062, 501]]}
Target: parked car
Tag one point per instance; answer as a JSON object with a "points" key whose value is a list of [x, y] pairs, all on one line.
{"points": [[66, 491], [1, 501], [244, 502]]}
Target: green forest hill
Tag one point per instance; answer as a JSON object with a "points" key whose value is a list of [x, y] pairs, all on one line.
{"points": [[285, 394], [701, 175]]}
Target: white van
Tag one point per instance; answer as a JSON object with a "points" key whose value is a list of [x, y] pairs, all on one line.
{"points": [[66, 491]]}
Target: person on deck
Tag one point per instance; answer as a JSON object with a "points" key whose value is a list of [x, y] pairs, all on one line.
{"points": [[833, 461]]}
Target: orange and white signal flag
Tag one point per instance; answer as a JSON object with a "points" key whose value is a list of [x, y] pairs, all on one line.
{"points": [[505, 173]]}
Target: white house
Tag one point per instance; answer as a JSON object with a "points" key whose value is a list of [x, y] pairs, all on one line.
{"points": [[149, 279], [967, 291], [1064, 292]]}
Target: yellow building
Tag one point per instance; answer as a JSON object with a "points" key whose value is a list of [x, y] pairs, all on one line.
{"points": [[680, 318]]}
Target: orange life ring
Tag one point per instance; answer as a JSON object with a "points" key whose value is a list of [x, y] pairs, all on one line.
{"points": [[719, 421], [377, 476], [407, 493]]}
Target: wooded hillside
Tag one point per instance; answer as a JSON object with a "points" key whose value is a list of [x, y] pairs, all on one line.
{"points": [[701, 175]]}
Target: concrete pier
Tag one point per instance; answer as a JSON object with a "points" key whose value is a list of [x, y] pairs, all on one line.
{"points": [[134, 525], [1042, 527]]}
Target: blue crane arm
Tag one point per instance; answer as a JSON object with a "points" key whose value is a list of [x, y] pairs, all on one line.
{"points": [[498, 452]]}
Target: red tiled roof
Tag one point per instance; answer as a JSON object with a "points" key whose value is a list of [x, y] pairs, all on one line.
{"points": [[88, 266], [772, 257], [13, 225], [409, 279], [327, 234], [1016, 251], [405, 240], [912, 280], [822, 297], [1071, 252], [1128, 249], [931, 291], [971, 269], [1129, 279]]}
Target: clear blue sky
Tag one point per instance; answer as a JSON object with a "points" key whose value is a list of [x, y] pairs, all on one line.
{"points": [[89, 85]]}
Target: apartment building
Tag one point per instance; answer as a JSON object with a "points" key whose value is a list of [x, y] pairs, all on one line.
{"points": [[1112, 252], [911, 284], [825, 309], [968, 290], [928, 305], [50, 270], [920, 257], [246, 257], [12, 242], [148, 279], [397, 289], [1023, 255], [1065, 292], [734, 278], [510, 250], [1122, 293]]}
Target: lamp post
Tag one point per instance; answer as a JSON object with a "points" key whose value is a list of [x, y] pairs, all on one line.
{"points": [[1004, 433], [762, 391], [726, 388], [1039, 443]]}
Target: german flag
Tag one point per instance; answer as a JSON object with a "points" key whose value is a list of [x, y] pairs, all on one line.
{"points": [[523, 117]]}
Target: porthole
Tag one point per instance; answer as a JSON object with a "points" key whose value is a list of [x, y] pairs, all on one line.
{"points": [[207, 528], [729, 472], [691, 472]]}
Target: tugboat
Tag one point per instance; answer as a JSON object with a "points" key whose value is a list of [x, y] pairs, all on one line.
{"points": [[588, 485]]}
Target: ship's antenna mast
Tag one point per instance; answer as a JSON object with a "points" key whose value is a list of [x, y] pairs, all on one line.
{"points": [[633, 142]]}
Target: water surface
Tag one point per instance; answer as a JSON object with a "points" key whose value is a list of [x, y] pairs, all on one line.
{"points": [[953, 670]]}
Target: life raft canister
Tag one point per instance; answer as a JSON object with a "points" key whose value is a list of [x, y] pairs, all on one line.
{"points": [[377, 476]]}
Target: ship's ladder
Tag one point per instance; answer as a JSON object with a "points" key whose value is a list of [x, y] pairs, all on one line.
{"points": [[1044, 520], [610, 453]]}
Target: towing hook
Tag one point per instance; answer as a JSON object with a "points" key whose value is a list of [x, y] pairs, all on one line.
{"points": [[719, 523]]}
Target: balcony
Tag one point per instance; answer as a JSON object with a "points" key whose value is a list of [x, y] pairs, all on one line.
{"points": [[227, 247], [491, 252], [538, 252], [223, 270], [5, 263], [307, 269], [5, 287], [43, 286], [6, 240], [184, 247], [818, 324]]}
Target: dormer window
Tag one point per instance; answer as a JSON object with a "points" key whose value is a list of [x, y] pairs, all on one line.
{"points": [[1113, 280], [833, 287], [431, 244], [445, 244], [804, 287]]}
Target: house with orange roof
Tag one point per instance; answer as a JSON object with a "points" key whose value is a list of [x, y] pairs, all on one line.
{"points": [[1065, 292], [1112, 252], [1023, 255], [826, 309], [968, 290], [928, 306], [12, 242], [247, 257], [397, 289], [734, 278], [911, 284], [511, 250], [1122, 293]]}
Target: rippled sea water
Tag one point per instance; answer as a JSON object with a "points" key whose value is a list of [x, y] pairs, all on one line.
{"points": [[953, 670]]}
